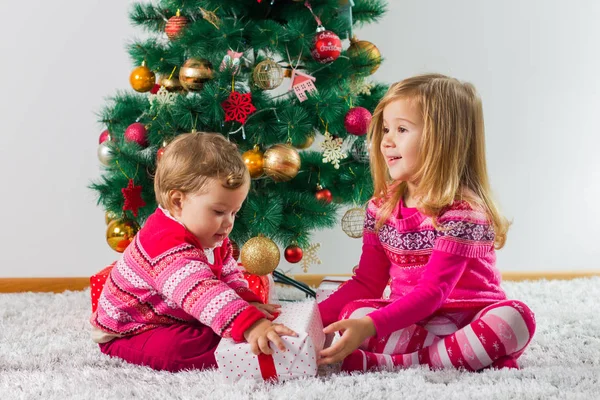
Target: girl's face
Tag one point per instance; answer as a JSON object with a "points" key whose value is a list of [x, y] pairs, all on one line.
{"points": [[209, 215], [402, 130]]}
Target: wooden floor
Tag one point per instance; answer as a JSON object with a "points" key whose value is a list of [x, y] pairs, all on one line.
{"points": [[57, 285]]}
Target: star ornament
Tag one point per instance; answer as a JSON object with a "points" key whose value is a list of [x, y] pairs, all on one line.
{"points": [[133, 198], [238, 107]]}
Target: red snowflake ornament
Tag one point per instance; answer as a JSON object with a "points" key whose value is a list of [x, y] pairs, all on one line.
{"points": [[238, 107], [133, 198]]}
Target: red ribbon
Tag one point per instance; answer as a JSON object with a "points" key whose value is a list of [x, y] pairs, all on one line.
{"points": [[267, 367]]}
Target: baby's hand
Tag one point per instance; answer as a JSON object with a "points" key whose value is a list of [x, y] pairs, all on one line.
{"points": [[264, 331], [268, 309]]}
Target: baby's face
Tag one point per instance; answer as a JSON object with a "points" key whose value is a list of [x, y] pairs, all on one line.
{"points": [[210, 215]]}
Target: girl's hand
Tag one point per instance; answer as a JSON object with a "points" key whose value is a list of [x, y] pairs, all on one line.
{"points": [[268, 309], [355, 331], [264, 331]]}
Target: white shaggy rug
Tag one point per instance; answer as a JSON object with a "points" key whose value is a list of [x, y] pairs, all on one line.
{"points": [[46, 353]]}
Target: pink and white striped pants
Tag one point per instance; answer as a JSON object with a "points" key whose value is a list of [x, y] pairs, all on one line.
{"points": [[471, 339]]}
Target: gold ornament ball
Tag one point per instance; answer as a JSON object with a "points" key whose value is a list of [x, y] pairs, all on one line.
{"points": [[260, 256], [282, 162], [172, 84], [254, 160], [194, 73], [353, 222], [267, 75], [142, 79], [120, 233], [359, 47], [306, 144]]}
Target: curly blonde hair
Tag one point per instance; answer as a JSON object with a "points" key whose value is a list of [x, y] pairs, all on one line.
{"points": [[193, 158]]}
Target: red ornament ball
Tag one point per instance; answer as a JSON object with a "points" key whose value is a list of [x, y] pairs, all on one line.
{"points": [[293, 253], [137, 133], [160, 153], [155, 89], [357, 121], [324, 195], [327, 47], [175, 25], [104, 136]]}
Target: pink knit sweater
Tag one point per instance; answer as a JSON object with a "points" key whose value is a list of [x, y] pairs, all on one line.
{"points": [[164, 278], [431, 270]]}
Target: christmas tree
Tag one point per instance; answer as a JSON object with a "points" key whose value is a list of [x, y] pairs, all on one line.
{"points": [[271, 76]]}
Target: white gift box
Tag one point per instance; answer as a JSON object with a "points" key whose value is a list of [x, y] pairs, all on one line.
{"points": [[236, 361], [330, 284]]}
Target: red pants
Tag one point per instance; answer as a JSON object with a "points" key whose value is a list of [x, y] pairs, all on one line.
{"points": [[170, 348]]}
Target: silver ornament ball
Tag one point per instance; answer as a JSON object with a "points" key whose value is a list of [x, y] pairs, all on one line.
{"points": [[105, 154], [360, 151]]}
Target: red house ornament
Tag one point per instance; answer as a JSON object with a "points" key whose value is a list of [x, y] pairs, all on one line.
{"points": [[301, 84]]}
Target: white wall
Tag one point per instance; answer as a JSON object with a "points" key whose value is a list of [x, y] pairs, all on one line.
{"points": [[534, 62]]}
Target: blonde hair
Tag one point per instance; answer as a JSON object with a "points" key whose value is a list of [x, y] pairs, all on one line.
{"points": [[191, 159], [452, 163]]}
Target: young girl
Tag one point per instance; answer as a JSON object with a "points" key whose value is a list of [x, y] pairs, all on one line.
{"points": [[165, 304], [432, 228]]}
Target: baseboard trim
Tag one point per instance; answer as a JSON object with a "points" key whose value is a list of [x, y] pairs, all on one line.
{"points": [[58, 285], [55, 285]]}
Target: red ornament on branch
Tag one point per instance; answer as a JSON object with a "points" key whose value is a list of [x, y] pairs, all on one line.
{"points": [[104, 136], [159, 153], [327, 46], [155, 89], [238, 107], [137, 133], [175, 25], [293, 253], [323, 195], [357, 121], [133, 198]]}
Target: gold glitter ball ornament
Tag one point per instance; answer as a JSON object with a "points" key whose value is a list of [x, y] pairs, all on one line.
{"points": [[267, 75], [260, 255], [120, 233], [282, 162], [194, 73], [353, 222]]}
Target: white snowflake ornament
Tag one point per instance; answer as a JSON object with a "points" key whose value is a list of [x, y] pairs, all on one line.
{"points": [[332, 150], [162, 98], [310, 256]]}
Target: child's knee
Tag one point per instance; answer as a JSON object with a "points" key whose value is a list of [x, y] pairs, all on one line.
{"points": [[525, 313]]}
